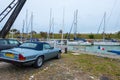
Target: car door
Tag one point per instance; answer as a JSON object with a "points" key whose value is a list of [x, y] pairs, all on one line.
{"points": [[50, 52]]}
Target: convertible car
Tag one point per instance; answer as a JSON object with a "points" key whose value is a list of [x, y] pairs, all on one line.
{"points": [[34, 53]]}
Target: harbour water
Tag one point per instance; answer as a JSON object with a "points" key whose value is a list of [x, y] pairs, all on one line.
{"points": [[94, 49]]}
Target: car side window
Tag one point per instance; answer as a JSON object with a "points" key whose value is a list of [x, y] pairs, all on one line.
{"points": [[3, 42], [13, 42], [46, 46]]}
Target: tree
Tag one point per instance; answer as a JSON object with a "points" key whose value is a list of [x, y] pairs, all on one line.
{"points": [[15, 31], [33, 32], [43, 34], [66, 35], [51, 35], [91, 36], [118, 33], [60, 31]]}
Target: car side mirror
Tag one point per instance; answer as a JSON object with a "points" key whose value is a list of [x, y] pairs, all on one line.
{"points": [[52, 48], [19, 44]]}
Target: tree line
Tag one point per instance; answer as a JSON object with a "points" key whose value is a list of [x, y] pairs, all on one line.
{"points": [[58, 35]]}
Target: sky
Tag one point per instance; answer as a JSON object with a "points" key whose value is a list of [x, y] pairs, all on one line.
{"points": [[90, 14]]}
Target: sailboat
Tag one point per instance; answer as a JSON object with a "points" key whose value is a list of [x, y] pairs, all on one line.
{"points": [[76, 41], [105, 42]]}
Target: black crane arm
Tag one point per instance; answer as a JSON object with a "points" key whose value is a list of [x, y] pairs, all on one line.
{"points": [[12, 18], [8, 9]]}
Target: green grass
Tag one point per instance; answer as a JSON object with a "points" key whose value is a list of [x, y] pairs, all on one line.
{"points": [[97, 66]]}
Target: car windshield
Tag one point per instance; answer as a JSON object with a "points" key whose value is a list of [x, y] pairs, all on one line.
{"points": [[28, 45]]}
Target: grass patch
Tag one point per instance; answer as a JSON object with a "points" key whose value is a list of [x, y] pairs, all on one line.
{"points": [[96, 65]]}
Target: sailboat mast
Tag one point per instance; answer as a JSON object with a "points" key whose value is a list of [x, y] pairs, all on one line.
{"points": [[104, 26], [49, 24], [27, 22], [31, 25], [53, 27], [75, 23], [62, 26], [22, 34]]}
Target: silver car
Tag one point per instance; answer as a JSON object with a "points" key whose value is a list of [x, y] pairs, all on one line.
{"points": [[30, 52]]}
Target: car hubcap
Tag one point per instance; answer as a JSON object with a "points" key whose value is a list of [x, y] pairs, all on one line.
{"points": [[59, 55], [40, 61]]}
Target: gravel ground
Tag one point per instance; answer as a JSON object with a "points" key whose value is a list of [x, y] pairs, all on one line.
{"points": [[61, 69]]}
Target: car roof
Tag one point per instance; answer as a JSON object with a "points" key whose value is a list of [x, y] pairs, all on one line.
{"points": [[39, 45]]}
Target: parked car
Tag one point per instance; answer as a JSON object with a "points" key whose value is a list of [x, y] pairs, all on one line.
{"points": [[8, 43], [30, 53]]}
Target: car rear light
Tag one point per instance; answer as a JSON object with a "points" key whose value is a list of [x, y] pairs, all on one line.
{"points": [[21, 57]]}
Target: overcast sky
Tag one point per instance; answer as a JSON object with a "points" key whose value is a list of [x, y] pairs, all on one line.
{"points": [[90, 14]]}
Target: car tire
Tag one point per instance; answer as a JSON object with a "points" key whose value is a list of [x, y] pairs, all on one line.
{"points": [[38, 62], [58, 56]]}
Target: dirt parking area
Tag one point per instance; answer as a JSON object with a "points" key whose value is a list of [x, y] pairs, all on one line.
{"points": [[69, 67], [61, 69]]}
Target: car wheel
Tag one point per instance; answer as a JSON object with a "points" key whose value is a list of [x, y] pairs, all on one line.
{"points": [[58, 56], [39, 62]]}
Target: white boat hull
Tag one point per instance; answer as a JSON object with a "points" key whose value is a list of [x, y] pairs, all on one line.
{"points": [[78, 43], [106, 43]]}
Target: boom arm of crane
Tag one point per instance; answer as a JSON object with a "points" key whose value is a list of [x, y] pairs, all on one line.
{"points": [[12, 17], [8, 9]]}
